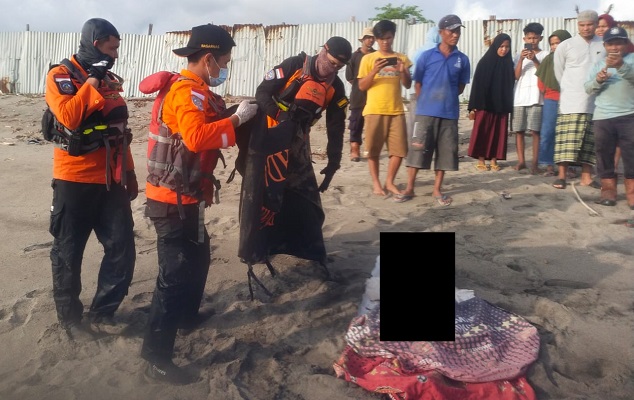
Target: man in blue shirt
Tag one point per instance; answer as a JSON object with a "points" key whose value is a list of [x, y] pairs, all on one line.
{"points": [[440, 76]]}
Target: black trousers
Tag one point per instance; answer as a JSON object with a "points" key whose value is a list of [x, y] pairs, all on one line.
{"points": [[183, 268], [77, 210], [609, 133]]}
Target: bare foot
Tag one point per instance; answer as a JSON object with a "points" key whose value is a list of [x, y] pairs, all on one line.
{"points": [[393, 189], [592, 184], [379, 192], [519, 167], [535, 169]]}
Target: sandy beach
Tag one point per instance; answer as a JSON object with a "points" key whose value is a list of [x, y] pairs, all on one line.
{"points": [[542, 254]]}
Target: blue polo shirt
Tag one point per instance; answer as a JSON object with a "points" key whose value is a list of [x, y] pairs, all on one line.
{"points": [[440, 77]]}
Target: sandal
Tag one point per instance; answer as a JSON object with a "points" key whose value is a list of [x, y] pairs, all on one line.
{"points": [[495, 167], [481, 167], [402, 198], [559, 184], [443, 200]]}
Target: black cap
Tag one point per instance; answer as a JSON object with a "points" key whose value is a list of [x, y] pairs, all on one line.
{"points": [[615, 33], [206, 37], [339, 48], [450, 22]]}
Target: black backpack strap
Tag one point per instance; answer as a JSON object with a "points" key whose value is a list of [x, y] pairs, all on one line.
{"points": [[73, 70]]}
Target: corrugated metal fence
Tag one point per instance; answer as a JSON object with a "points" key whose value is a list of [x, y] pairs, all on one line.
{"points": [[25, 56]]}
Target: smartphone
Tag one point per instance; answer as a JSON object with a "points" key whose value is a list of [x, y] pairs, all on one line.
{"points": [[391, 60], [528, 46]]}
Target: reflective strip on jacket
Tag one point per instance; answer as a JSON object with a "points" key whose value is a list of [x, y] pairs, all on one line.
{"points": [[190, 109]]}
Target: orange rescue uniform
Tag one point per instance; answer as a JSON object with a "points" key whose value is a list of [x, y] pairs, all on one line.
{"points": [[188, 109], [71, 108]]}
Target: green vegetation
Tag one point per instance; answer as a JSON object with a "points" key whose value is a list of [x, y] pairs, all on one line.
{"points": [[402, 12]]}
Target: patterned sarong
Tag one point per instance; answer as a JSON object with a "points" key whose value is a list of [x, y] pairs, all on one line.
{"points": [[574, 139], [491, 344]]}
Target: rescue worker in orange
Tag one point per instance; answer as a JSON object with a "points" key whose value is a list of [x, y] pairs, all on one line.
{"points": [[193, 125], [277, 97], [93, 180]]}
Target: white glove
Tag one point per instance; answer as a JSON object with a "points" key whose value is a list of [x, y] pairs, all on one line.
{"points": [[245, 111]]}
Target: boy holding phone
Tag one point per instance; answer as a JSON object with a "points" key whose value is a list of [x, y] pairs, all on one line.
{"points": [[528, 100], [381, 74]]}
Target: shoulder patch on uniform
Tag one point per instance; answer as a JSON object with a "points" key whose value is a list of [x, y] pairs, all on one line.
{"points": [[197, 99], [343, 102], [64, 84], [270, 75], [279, 73]]}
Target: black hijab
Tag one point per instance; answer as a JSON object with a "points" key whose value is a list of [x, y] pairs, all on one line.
{"points": [[494, 80], [94, 29]]}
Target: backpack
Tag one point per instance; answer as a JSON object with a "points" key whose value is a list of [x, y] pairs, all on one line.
{"points": [[52, 130]]}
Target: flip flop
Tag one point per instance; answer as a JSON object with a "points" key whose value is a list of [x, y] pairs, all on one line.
{"points": [[559, 184], [606, 202], [402, 198], [443, 200]]}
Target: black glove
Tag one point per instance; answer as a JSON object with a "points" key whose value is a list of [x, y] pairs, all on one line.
{"points": [[328, 173], [131, 186], [98, 70]]}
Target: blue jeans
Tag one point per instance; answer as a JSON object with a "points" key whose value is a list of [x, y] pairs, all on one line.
{"points": [[547, 133]]}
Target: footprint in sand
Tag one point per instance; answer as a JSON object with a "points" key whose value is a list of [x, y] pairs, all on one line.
{"points": [[524, 207], [21, 311], [515, 267], [38, 246], [567, 284]]}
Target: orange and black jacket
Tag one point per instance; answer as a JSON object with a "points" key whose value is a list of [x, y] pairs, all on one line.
{"points": [[191, 110], [76, 104], [276, 80]]}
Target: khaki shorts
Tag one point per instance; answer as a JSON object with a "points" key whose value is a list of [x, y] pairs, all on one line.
{"points": [[390, 130], [527, 118]]}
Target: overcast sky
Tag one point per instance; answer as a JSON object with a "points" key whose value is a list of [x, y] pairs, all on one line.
{"points": [[135, 16]]}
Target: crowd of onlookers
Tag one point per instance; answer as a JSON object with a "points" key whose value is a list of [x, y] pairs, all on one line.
{"points": [[575, 99]]}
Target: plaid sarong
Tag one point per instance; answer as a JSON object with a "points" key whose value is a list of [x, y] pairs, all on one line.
{"points": [[574, 139]]}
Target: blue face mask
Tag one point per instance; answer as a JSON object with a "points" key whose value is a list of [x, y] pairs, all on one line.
{"points": [[222, 75]]}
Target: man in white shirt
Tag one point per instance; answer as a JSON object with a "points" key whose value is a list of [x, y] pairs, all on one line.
{"points": [[574, 138], [528, 99]]}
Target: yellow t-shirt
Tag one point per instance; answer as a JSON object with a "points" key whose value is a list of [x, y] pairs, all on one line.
{"points": [[384, 95]]}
